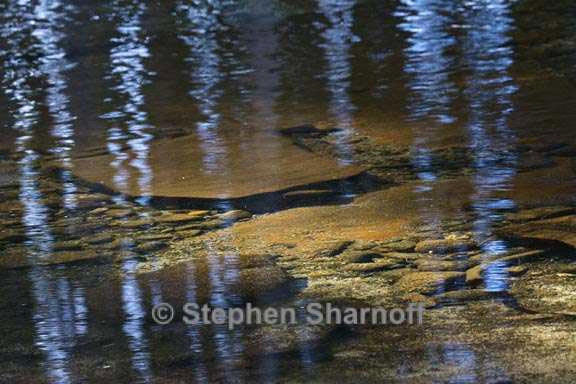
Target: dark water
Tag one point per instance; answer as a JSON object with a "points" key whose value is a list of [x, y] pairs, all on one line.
{"points": [[184, 99]]}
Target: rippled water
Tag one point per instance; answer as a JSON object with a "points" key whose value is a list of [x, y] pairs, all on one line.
{"points": [[181, 104]]}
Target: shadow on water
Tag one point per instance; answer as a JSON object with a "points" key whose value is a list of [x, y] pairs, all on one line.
{"points": [[334, 192]]}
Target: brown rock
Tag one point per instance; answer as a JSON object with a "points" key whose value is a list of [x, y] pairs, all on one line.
{"points": [[426, 282]]}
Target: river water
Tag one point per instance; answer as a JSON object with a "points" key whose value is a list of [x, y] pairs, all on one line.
{"points": [[184, 105]]}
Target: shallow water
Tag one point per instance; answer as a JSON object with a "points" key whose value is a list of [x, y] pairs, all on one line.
{"points": [[181, 105]]}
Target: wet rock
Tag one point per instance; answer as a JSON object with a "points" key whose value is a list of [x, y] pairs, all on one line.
{"points": [[118, 244], [119, 213], [198, 213], [546, 292], [307, 130], [363, 245], [98, 211], [361, 257], [155, 237], [74, 245], [559, 229], [333, 249], [151, 246], [392, 276], [91, 201], [8, 236], [518, 270], [134, 224], [401, 246], [282, 339], [235, 215], [211, 225], [19, 258], [482, 257], [431, 265], [190, 233], [258, 282], [426, 283], [9, 175], [403, 256], [526, 215], [100, 239], [566, 268], [416, 298], [465, 295], [445, 246], [178, 218], [189, 227], [375, 266], [474, 275]]}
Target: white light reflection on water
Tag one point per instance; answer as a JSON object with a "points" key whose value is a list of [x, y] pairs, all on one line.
{"points": [[194, 331], [201, 25], [432, 94], [135, 315], [338, 41], [129, 141], [49, 17], [60, 310], [429, 65], [223, 276], [129, 137], [489, 91]]}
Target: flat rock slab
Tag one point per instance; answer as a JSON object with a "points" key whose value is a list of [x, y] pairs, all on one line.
{"points": [[559, 229], [188, 168]]}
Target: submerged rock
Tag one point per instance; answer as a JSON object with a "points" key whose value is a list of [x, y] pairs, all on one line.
{"points": [[155, 237], [375, 265], [73, 245], [100, 239], [250, 171], [91, 201], [178, 218], [119, 213], [426, 283], [431, 265], [11, 236], [260, 281], [540, 214], [151, 246], [135, 224], [445, 246], [235, 215]]}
